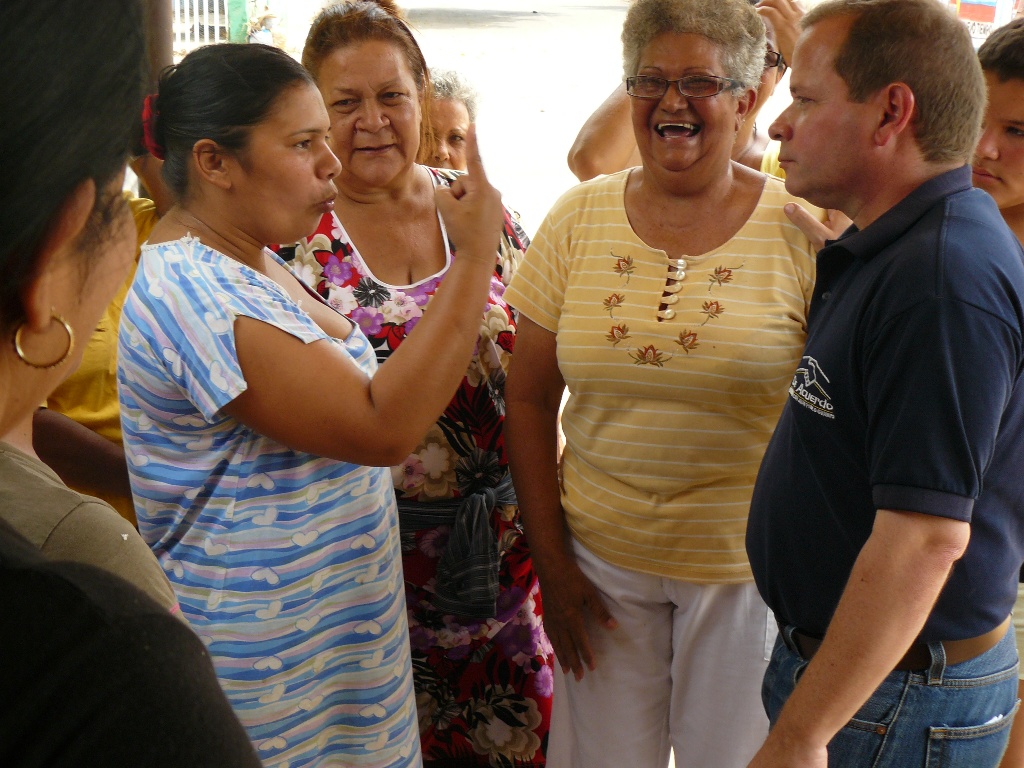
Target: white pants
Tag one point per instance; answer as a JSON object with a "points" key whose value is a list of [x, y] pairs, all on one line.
{"points": [[683, 671]]}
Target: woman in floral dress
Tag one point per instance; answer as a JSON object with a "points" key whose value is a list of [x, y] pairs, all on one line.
{"points": [[481, 662]]}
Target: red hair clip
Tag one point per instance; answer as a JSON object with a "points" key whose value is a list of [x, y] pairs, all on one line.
{"points": [[149, 115]]}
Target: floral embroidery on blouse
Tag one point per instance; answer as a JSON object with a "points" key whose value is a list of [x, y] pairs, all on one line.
{"points": [[612, 302], [687, 340], [712, 309], [624, 266], [649, 355], [618, 333], [721, 276]]}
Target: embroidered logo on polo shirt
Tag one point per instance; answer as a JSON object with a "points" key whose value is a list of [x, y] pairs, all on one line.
{"points": [[808, 388]]}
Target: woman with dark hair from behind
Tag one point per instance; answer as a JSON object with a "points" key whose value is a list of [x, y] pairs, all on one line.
{"points": [[273, 511], [93, 672]]}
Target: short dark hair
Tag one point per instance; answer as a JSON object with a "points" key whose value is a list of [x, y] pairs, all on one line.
{"points": [[71, 103], [1003, 52], [920, 43], [218, 92]]}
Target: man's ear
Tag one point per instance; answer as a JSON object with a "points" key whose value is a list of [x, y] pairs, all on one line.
{"points": [[56, 261], [212, 163], [897, 104]]}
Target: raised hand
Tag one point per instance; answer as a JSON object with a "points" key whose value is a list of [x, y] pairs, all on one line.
{"points": [[471, 207], [784, 16]]}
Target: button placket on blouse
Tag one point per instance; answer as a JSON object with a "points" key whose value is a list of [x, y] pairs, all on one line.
{"points": [[673, 284]]}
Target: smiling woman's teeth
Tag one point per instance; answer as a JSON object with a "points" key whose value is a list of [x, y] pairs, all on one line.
{"points": [[668, 130]]}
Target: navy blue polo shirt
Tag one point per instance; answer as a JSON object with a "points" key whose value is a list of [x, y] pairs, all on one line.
{"points": [[908, 397]]}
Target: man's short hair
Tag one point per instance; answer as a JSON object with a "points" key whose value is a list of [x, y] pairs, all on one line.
{"points": [[1003, 52], [922, 44]]}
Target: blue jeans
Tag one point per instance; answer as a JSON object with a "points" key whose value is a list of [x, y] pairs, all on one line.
{"points": [[958, 715]]}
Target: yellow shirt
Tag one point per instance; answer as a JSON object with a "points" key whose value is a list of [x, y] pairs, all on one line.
{"points": [[770, 160], [89, 395], [668, 419]]}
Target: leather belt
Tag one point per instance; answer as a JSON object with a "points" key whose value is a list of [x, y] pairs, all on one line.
{"points": [[918, 656]]}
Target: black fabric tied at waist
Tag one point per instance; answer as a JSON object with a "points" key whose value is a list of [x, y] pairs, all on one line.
{"points": [[467, 573]]}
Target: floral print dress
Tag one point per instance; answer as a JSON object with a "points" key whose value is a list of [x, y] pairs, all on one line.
{"points": [[483, 686]]}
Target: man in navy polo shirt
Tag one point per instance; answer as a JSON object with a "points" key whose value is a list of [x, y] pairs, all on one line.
{"points": [[886, 527]]}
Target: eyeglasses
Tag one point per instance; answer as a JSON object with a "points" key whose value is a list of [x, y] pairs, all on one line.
{"points": [[692, 86], [774, 59]]}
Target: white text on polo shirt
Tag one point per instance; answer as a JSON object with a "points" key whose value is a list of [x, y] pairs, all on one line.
{"points": [[808, 388]]}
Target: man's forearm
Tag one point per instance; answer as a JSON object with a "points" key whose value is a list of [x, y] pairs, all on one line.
{"points": [[892, 588]]}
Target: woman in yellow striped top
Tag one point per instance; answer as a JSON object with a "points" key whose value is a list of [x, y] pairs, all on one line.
{"points": [[671, 299]]}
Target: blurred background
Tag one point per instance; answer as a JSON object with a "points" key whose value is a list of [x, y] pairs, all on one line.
{"points": [[540, 68]]}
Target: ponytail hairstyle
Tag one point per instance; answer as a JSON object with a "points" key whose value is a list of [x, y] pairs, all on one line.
{"points": [[217, 92]]}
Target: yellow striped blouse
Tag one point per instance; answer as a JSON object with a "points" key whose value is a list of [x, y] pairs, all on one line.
{"points": [[677, 370]]}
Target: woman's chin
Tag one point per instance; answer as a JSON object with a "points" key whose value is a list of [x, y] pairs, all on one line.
{"points": [[301, 228], [377, 170]]}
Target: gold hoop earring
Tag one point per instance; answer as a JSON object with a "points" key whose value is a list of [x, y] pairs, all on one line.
{"points": [[45, 366]]}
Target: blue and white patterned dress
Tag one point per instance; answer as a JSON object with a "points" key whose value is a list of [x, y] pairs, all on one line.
{"points": [[288, 565]]}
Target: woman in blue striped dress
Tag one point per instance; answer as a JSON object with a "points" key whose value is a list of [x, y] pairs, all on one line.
{"points": [[273, 515]]}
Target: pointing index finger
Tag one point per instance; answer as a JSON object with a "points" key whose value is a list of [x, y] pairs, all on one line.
{"points": [[474, 164]]}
